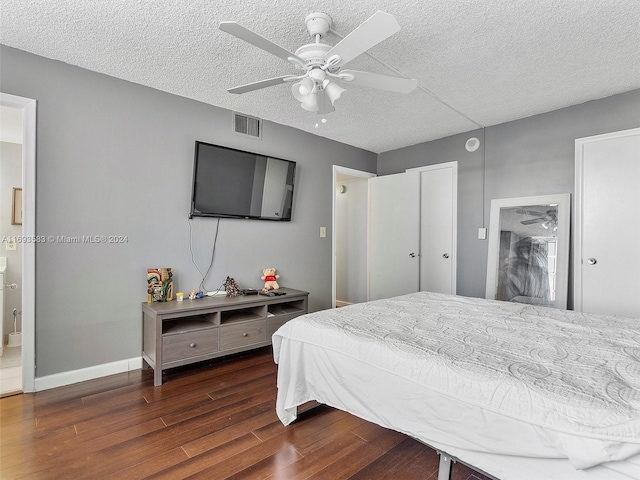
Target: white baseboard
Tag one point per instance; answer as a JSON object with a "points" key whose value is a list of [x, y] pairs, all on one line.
{"points": [[89, 373]]}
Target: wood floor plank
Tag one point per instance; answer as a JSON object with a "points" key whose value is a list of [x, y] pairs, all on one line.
{"points": [[149, 467], [399, 463], [38, 443], [210, 458], [237, 430], [241, 398], [381, 437], [307, 443], [320, 459], [346, 466], [234, 464], [322, 417], [104, 424], [273, 464]]}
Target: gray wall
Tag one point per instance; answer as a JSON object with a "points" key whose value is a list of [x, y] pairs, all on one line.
{"points": [[532, 156], [115, 158]]}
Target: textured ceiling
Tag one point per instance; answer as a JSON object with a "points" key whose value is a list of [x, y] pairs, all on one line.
{"points": [[477, 62]]}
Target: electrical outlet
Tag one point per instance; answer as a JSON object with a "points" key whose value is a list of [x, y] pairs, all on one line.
{"points": [[323, 232], [10, 245]]}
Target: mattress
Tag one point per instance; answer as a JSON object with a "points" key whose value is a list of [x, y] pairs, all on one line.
{"points": [[480, 379]]}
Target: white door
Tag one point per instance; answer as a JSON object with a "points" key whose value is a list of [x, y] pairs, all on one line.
{"points": [[607, 262], [394, 208], [438, 225]]}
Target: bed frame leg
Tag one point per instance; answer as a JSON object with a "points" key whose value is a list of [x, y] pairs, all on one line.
{"points": [[444, 469]]}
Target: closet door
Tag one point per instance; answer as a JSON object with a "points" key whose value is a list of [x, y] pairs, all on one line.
{"points": [[393, 260], [607, 261], [438, 227]]}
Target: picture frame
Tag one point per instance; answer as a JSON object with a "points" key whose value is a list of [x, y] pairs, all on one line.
{"points": [[16, 206]]}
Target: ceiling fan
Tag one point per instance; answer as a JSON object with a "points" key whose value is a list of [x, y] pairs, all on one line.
{"points": [[548, 219], [321, 64]]}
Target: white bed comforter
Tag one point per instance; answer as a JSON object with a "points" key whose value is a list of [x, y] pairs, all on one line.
{"points": [[574, 374]]}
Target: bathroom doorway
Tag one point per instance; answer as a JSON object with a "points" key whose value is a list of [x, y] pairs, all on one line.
{"points": [[17, 254]]}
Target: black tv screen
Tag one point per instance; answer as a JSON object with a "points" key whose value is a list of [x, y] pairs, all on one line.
{"points": [[233, 183]]}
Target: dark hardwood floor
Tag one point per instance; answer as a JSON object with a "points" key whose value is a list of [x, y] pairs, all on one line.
{"points": [[213, 421]]}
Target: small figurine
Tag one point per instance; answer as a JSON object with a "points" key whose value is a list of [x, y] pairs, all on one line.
{"points": [[269, 276]]}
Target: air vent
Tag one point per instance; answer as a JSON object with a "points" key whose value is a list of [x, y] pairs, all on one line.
{"points": [[248, 126]]}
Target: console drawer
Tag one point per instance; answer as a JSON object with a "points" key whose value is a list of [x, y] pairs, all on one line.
{"points": [[189, 344], [241, 334]]}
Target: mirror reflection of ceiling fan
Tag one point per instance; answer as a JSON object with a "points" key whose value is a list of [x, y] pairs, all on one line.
{"points": [[316, 87], [547, 220]]}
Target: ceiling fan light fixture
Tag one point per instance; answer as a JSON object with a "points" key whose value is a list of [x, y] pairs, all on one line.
{"points": [[306, 86], [308, 100], [295, 90], [303, 90], [333, 91], [310, 103]]}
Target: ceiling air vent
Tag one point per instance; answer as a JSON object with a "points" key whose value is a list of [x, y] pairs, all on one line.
{"points": [[247, 126]]}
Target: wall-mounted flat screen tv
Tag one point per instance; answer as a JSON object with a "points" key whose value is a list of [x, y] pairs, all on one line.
{"points": [[231, 183]]}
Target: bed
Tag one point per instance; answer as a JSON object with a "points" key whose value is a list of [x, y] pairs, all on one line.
{"points": [[518, 391]]}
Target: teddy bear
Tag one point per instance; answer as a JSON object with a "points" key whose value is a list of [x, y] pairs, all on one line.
{"points": [[269, 276]]}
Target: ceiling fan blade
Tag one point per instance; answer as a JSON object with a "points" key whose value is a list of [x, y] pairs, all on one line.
{"points": [[532, 221], [250, 87], [372, 31], [383, 82], [243, 33], [524, 211]]}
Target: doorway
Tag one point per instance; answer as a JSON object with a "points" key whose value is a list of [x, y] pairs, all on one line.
{"points": [[26, 257], [349, 233], [433, 258]]}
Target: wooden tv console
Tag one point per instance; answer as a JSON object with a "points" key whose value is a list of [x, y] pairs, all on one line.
{"points": [[179, 333]]}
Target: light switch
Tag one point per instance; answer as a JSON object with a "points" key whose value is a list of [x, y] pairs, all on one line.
{"points": [[482, 234], [323, 232]]}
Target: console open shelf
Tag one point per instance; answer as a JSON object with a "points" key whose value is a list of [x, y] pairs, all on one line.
{"points": [[187, 324], [243, 314], [179, 333], [287, 307]]}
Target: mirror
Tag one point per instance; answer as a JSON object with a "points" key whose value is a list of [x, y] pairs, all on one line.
{"points": [[528, 259]]}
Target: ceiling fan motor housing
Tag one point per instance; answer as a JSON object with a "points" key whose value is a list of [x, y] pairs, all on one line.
{"points": [[313, 54], [318, 23]]}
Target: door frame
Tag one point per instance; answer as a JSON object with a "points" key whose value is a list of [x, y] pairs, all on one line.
{"points": [[28, 107], [340, 172], [454, 204], [578, 214]]}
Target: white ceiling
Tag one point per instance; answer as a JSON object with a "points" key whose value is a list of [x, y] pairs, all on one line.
{"points": [[477, 62]]}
